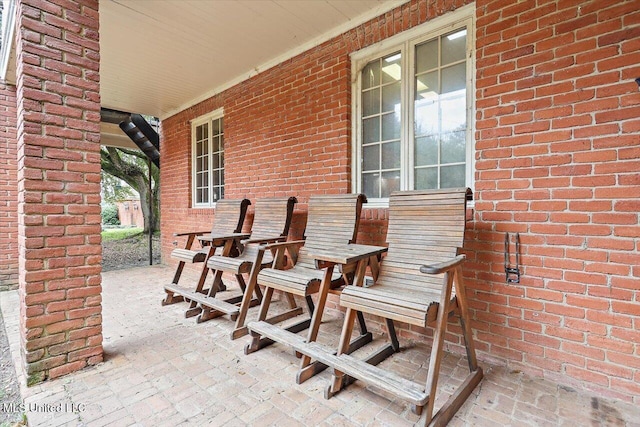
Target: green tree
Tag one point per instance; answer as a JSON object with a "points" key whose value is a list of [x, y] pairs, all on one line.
{"points": [[131, 166]]}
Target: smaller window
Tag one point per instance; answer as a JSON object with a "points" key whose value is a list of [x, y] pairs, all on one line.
{"points": [[207, 136]]}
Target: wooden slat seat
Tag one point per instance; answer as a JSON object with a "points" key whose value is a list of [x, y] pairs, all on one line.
{"points": [[416, 284], [299, 280], [272, 219], [228, 219], [190, 256], [243, 262]]}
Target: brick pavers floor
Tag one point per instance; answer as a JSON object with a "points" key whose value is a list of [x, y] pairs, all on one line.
{"points": [[161, 369]]}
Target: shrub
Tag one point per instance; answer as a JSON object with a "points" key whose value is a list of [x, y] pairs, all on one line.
{"points": [[110, 215]]}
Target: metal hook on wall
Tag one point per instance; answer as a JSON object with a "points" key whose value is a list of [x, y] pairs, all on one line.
{"points": [[512, 273]]}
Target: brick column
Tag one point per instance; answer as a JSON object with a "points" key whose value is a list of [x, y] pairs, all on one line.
{"points": [[8, 190], [58, 103]]}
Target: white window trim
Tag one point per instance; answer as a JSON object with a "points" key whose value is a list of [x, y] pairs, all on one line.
{"points": [[406, 42], [214, 115]]}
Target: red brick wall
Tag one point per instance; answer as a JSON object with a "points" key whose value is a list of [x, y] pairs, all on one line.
{"points": [[58, 100], [558, 160], [557, 148], [8, 190]]}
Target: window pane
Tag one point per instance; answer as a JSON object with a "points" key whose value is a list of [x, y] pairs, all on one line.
{"points": [[390, 182], [426, 179], [221, 142], [371, 130], [391, 98], [427, 86], [453, 147], [371, 74], [391, 126], [391, 69], [215, 127], [370, 102], [391, 155], [454, 78], [453, 114], [216, 178], [215, 161], [427, 56], [371, 157], [216, 194], [426, 151], [452, 176], [371, 184], [215, 144], [454, 46], [426, 118]]}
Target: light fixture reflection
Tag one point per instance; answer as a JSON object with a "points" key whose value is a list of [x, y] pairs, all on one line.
{"points": [[457, 35]]}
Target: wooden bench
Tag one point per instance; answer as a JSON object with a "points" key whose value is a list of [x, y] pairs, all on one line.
{"points": [[271, 223], [228, 220]]}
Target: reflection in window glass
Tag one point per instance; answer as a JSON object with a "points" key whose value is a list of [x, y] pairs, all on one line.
{"points": [[380, 121], [440, 112]]}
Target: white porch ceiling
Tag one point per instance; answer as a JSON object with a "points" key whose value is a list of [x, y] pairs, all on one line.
{"points": [[159, 57]]}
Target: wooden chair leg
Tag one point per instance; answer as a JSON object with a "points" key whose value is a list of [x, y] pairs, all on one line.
{"points": [[438, 344], [290, 300], [241, 283], [171, 298], [254, 345], [316, 320], [345, 337], [467, 334], [240, 330], [464, 390]]}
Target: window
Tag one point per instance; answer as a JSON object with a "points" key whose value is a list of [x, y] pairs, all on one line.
{"points": [[207, 135], [412, 102]]}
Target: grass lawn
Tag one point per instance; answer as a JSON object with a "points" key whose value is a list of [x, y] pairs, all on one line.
{"points": [[120, 233]]}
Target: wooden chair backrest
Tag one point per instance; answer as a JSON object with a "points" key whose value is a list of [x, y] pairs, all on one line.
{"points": [[425, 227], [332, 220], [229, 216], [272, 217]]}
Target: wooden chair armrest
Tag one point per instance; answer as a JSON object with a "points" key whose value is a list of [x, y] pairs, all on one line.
{"points": [[223, 238], [279, 249], [264, 241], [190, 233], [284, 244], [443, 266]]}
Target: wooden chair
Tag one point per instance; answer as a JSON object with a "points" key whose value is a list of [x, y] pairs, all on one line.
{"points": [[228, 220], [332, 220], [270, 225], [420, 283]]}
